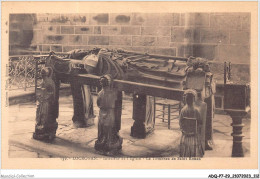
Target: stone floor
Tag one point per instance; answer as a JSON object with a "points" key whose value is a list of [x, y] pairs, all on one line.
{"points": [[71, 142]]}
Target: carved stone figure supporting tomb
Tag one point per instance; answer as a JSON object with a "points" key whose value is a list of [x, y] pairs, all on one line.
{"points": [[200, 78], [190, 124], [47, 107], [109, 101]]}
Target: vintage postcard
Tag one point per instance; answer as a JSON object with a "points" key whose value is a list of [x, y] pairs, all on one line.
{"points": [[129, 85]]}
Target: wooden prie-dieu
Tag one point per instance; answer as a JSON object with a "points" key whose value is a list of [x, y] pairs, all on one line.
{"points": [[143, 75]]}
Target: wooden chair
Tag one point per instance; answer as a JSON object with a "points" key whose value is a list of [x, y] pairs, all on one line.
{"points": [[169, 108]]}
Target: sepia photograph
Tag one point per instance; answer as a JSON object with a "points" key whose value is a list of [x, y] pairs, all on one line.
{"points": [[131, 86]]}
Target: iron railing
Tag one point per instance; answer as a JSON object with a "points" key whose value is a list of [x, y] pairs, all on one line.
{"points": [[24, 71]]}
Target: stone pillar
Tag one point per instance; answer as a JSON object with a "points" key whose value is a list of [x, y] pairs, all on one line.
{"points": [[142, 115], [202, 106], [83, 105], [82, 97], [118, 111], [88, 105], [209, 120], [237, 125]]}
